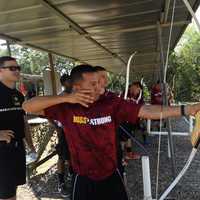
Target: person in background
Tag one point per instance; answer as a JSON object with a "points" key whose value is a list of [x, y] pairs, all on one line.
{"points": [[157, 99], [13, 130], [62, 147], [136, 95], [156, 94], [90, 122], [31, 92], [120, 135]]}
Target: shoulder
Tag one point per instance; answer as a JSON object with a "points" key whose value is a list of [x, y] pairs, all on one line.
{"points": [[111, 98], [109, 94]]}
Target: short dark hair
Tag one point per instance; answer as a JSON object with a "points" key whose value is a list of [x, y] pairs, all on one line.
{"points": [[99, 68], [3, 59], [64, 78], [78, 71]]}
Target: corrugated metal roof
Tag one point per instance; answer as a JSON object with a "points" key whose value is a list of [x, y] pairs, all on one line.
{"points": [[102, 32]]}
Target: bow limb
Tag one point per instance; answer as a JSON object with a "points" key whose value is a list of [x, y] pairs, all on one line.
{"points": [[195, 139], [128, 74]]}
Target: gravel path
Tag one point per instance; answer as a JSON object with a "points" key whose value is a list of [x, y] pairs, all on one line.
{"points": [[44, 187]]}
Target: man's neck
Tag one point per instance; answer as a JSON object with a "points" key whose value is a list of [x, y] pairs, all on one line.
{"points": [[9, 84]]}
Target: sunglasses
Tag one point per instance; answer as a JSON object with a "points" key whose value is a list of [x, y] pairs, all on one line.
{"points": [[13, 68]]}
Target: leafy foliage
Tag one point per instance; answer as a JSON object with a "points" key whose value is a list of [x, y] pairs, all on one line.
{"points": [[34, 62], [184, 67]]}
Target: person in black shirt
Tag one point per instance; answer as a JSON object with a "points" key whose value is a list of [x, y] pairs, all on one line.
{"points": [[12, 130], [62, 146]]}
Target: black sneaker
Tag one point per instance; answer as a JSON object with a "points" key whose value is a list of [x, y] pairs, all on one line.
{"points": [[63, 190]]}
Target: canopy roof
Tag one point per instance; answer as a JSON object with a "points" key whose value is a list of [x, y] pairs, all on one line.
{"points": [[102, 32]]}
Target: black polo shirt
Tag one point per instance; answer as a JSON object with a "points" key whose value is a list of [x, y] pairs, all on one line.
{"points": [[11, 113]]}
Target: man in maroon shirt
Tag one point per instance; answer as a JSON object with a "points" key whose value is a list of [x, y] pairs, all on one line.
{"points": [[90, 123], [156, 94]]}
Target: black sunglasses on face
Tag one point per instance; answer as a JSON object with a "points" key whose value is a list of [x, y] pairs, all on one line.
{"points": [[13, 68]]}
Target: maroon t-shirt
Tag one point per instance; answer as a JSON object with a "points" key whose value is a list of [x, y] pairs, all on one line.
{"points": [[90, 132]]}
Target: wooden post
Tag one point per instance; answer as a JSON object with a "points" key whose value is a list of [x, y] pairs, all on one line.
{"points": [[8, 48], [53, 78]]}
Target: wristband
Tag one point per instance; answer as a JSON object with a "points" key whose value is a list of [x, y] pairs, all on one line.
{"points": [[183, 110]]}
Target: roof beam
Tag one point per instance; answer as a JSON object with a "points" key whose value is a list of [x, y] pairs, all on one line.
{"points": [[17, 41], [100, 22], [98, 58], [135, 29], [77, 28], [146, 71], [52, 38], [11, 11], [27, 21], [111, 7], [140, 28], [146, 54], [19, 9], [141, 53], [137, 55], [144, 66], [35, 29]]}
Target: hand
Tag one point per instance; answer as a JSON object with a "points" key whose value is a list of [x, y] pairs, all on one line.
{"points": [[196, 132], [82, 97], [6, 135], [192, 109]]}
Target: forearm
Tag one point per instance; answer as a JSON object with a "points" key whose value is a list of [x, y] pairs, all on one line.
{"points": [[157, 111], [38, 104]]}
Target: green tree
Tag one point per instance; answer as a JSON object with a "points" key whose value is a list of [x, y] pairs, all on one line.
{"points": [[184, 67], [34, 62]]}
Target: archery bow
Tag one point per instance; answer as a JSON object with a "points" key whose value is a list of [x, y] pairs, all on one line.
{"points": [[195, 140]]}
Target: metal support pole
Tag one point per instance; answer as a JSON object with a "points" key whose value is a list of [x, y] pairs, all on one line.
{"points": [[148, 126], [191, 125], [168, 148], [146, 178], [53, 79], [165, 102], [187, 4], [125, 180], [8, 48]]}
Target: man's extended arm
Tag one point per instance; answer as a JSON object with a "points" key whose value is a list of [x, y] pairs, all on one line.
{"points": [[157, 111]]}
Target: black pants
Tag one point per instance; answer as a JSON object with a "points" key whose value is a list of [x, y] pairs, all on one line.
{"points": [[12, 168], [111, 188], [62, 147], [7, 191]]}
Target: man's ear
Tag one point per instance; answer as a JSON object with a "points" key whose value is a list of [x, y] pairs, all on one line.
{"points": [[76, 87]]}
